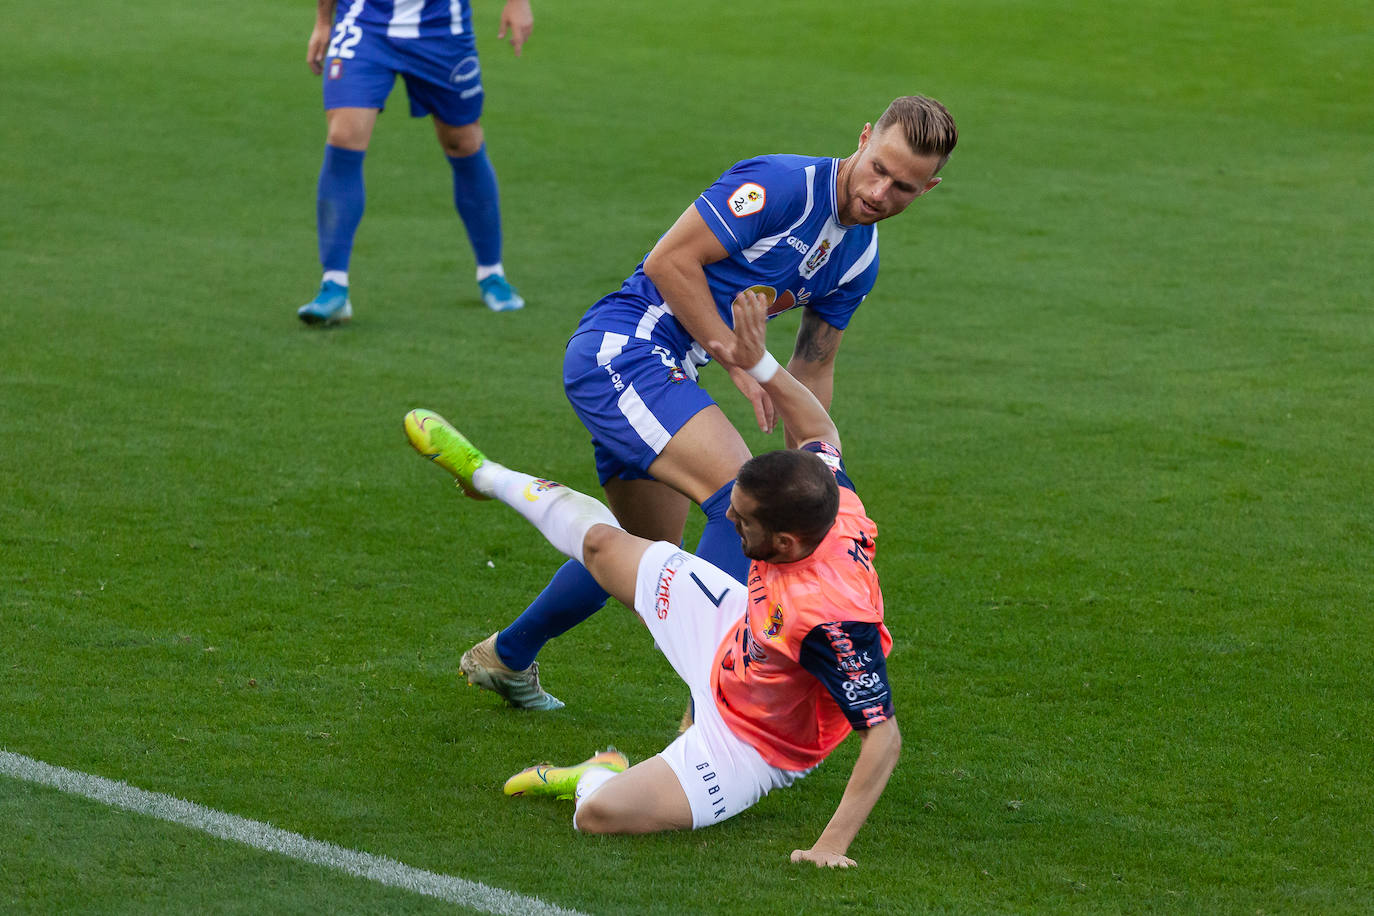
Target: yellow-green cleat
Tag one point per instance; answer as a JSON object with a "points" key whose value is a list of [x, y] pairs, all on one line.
{"points": [[549, 781], [437, 439]]}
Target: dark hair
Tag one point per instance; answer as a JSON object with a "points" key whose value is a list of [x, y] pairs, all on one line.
{"points": [[795, 491], [927, 125]]}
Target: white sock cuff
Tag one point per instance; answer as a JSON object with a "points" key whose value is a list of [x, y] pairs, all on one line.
{"points": [[488, 477], [562, 515], [577, 513], [591, 780]]}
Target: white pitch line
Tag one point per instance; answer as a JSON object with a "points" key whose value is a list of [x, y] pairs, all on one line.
{"points": [[272, 839]]}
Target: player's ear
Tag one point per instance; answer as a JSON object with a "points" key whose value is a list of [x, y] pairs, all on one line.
{"points": [[865, 135], [787, 547], [932, 183]]}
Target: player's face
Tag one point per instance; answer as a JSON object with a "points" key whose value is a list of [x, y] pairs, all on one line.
{"points": [[755, 540], [883, 177]]}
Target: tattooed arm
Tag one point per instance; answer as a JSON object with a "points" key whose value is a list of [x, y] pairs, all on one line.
{"points": [[813, 360]]}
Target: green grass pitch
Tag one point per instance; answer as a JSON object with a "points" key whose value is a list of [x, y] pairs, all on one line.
{"points": [[1111, 405]]}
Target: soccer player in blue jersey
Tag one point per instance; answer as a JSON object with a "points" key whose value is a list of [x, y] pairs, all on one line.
{"points": [[801, 231], [360, 48]]}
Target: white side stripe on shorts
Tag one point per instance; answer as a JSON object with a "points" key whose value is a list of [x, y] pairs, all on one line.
{"points": [[645, 330], [611, 345], [642, 421]]}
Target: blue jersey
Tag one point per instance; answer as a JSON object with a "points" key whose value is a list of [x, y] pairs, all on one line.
{"points": [[775, 216], [407, 18]]}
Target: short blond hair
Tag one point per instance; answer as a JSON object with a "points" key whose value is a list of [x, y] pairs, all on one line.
{"points": [[927, 125]]}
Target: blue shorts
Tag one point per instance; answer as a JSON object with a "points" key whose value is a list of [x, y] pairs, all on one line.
{"points": [[632, 395], [443, 77]]}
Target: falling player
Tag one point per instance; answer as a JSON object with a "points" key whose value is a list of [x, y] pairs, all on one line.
{"points": [[780, 667]]}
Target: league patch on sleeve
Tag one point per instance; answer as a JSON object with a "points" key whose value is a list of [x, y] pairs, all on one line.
{"points": [[747, 199], [827, 453]]}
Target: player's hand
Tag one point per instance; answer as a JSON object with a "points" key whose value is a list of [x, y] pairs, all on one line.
{"points": [[822, 859], [518, 21], [764, 411], [745, 349], [746, 345], [751, 327], [318, 45]]}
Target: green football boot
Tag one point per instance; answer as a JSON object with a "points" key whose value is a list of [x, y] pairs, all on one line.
{"points": [[435, 438], [561, 782]]}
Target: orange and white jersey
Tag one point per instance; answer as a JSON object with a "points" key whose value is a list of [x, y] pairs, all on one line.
{"points": [[807, 663]]}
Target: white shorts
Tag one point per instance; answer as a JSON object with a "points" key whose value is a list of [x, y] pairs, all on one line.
{"points": [[689, 606]]}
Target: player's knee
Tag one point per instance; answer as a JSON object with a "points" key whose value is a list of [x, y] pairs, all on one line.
{"points": [[460, 142], [598, 542], [595, 815], [461, 150], [346, 130], [351, 140]]}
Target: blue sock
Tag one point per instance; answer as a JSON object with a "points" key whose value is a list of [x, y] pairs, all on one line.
{"points": [[475, 195], [571, 596], [719, 542], [339, 204]]}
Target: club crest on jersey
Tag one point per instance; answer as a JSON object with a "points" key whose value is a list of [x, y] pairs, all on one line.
{"points": [[774, 629], [535, 488], [335, 68], [747, 199], [819, 255], [676, 375]]}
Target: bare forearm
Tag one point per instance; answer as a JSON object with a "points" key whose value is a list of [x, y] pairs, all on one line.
{"points": [[882, 746], [819, 381], [682, 283], [813, 364], [677, 266], [804, 417], [818, 378]]}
